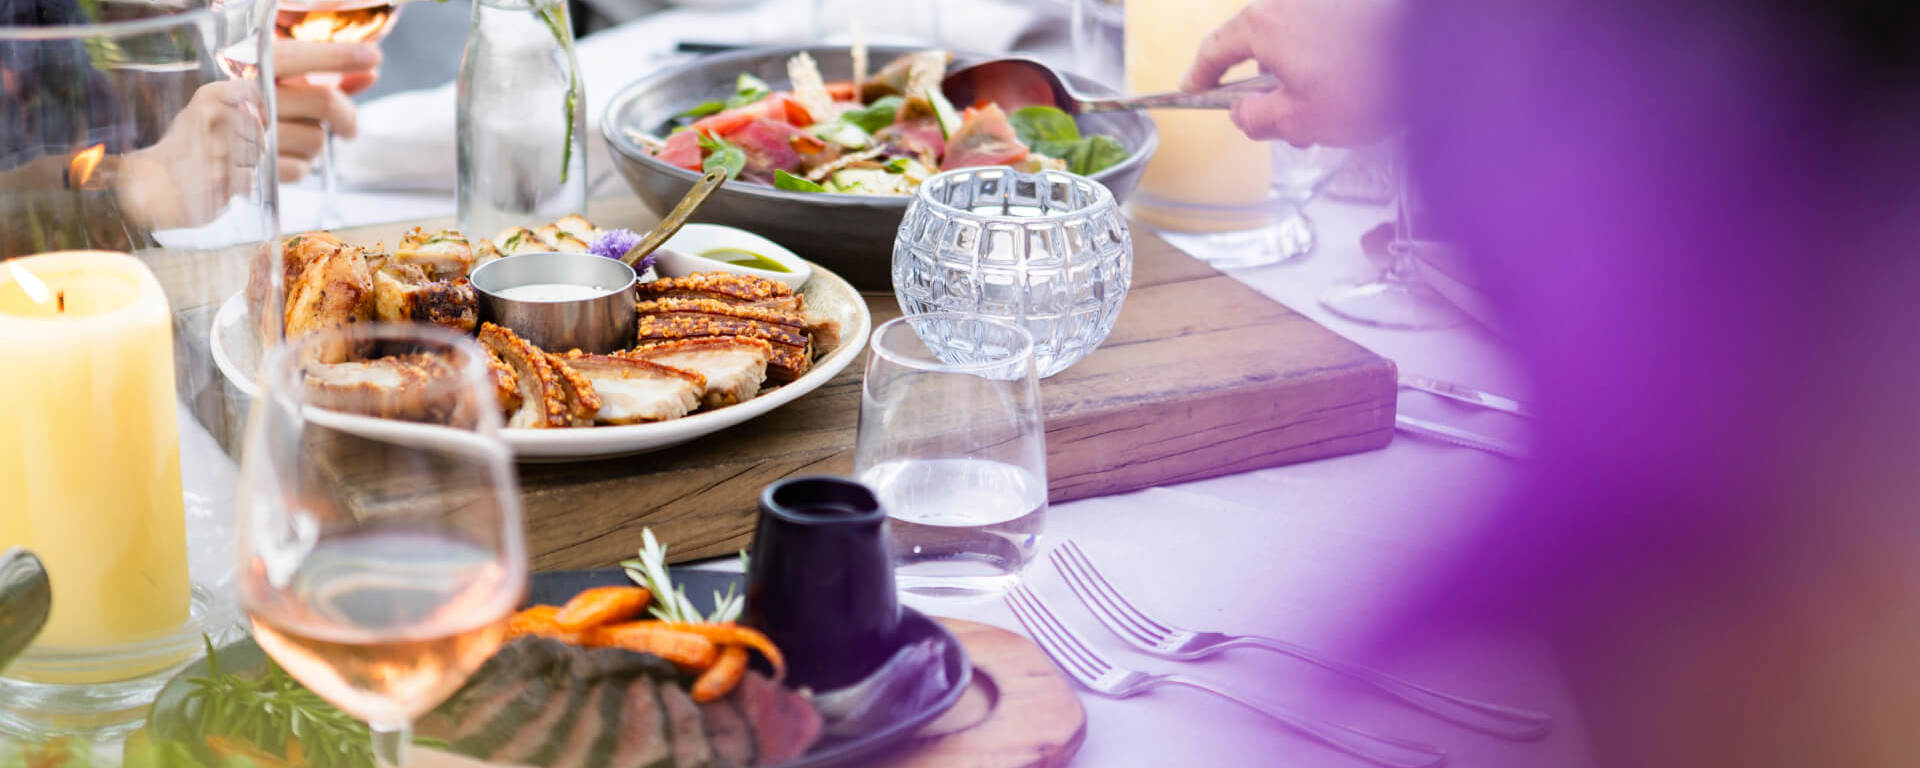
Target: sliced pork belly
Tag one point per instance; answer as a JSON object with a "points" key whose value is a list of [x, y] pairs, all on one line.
{"points": [[635, 391], [675, 319], [583, 401], [733, 366], [543, 397], [405, 387], [721, 286]]}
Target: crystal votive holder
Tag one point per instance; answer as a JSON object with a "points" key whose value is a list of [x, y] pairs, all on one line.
{"points": [[1049, 251]]}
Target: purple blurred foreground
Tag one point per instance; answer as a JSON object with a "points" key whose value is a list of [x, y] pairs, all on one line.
{"points": [[1703, 220]]}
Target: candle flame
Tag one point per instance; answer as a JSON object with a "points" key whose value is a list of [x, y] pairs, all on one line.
{"points": [[83, 164], [36, 291]]}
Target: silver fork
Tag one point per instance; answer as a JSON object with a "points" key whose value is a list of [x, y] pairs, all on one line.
{"points": [[1171, 642], [1072, 654]]}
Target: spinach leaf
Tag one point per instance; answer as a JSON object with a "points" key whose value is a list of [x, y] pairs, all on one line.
{"points": [[747, 89], [1087, 156], [722, 154], [1037, 124], [875, 116], [703, 109], [784, 180]]}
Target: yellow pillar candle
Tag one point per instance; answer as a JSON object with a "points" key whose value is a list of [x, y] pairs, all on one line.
{"points": [[89, 445], [1203, 159]]}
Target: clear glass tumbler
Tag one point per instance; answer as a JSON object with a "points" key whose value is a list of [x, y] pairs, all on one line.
{"points": [[1047, 251], [953, 442]]}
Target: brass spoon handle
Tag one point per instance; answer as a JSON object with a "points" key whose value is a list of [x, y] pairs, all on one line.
{"points": [[1220, 97], [676, 217]]}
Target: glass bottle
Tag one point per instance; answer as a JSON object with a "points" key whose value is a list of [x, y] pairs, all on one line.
{"points": [[522, 118]]}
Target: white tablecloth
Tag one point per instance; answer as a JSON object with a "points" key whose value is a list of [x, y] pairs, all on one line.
{"points": [[1308, 552]]}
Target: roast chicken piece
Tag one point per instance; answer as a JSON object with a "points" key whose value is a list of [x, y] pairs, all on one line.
{"points": [[332, 290], [733, 366], [404, 292], [406, 387], [724, 286], [676, 319], [543, 396], [636, 391], [442, 255], [557, 240]]}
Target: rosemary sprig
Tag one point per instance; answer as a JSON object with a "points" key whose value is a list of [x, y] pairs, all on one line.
{"points": [[670, 601]]}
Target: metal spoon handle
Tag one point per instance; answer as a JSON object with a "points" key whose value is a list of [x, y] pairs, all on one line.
{"points": [[1212, 98], [676, 217]]}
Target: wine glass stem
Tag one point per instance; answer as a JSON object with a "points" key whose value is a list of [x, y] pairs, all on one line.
{"points": [[390, 743], [329, 203]]}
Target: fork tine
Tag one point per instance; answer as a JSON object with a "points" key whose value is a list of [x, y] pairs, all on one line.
{"points": [[1069, 639], [1043, 635], [1100, 605], [1087, 563]]}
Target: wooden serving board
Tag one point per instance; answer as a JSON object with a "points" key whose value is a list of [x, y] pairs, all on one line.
{"points": [[1019, 712], [1202, 376]]}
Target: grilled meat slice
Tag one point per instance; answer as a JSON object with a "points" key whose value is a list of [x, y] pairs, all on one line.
{"points": [[484, 251], [513, 240], [723, 286], [405, 387], [405, 293], [784, 723], [506, 385], [560, 240], [645, 741], [636, 391], [302, 249], [732, 735], [691, 749], [543, 396], [443, 255], [825, 332], [675, 319], [734, 366], [578, 226], [582, 400], [332, 290]]}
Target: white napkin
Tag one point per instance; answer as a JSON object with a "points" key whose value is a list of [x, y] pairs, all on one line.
{"points": [[406, 140]]}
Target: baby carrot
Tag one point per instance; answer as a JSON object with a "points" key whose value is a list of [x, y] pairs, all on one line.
{"points": [[602, 605], [720, 679], [727, 632], [688, 651], [538, 621]]}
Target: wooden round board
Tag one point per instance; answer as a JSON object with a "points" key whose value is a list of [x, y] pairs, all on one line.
{"points": [[1019, 711]]}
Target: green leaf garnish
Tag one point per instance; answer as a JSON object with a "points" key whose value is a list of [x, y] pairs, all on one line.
{"points": [[784, 180], [670, 602], [747, 89], [1086, 156], [1038, 124], [722, 154], [875, 116], [703, 109]]}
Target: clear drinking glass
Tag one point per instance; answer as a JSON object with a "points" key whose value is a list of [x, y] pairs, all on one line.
{"points": [[1397, 297], [953, 443], [333, 21], [379, 559], [521, 149], [1048, 251]]}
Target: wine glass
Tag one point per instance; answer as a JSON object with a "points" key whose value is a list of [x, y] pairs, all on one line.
{"points": [[1397, 297], [333, 21], [379, 558], [951, 441]]}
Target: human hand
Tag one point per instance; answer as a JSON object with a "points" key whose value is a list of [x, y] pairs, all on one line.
{"points": [[304, 105], [1333, 58], [209, 154]]}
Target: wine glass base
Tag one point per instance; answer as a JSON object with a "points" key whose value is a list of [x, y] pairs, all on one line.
{"points": [[1285, 239], [1388, 303]]}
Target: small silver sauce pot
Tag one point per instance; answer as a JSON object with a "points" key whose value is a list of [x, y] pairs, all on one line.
{"points": [[599, 324]]}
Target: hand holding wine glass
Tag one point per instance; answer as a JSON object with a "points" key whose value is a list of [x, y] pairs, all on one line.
{"points": [[309, 105], [360, 23], [379, 566]]}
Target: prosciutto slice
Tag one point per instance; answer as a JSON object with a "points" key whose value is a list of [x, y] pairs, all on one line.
{"points": [[983, 138]]}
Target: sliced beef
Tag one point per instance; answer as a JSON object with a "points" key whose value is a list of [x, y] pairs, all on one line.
{"points": [[590, 743], [535, 741], [644, 741], [731, 734], [691, 749], [784, 722]]}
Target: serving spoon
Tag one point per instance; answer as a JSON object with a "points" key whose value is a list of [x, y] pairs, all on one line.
{"points": [[578, 300], [1016, 82]]}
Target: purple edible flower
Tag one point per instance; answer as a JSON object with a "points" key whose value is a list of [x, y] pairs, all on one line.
{"points": [[614, 243]]}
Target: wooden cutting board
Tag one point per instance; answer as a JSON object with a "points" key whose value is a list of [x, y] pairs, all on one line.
{"points": [[1019, 711], [1202, 376]]}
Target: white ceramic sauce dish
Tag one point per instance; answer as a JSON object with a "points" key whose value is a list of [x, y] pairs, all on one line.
{"points": [[680, 255]]}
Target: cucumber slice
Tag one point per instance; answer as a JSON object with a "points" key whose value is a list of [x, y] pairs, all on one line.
{"points": [[943, 113]]}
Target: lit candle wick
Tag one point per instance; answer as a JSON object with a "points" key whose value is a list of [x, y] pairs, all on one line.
{"points": [[61, 299], [29, 283]]}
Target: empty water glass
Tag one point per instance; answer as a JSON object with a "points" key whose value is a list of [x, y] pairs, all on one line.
{"points": [[953, 443], [1047, 251]]}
